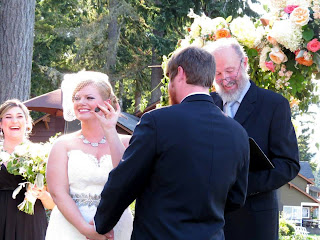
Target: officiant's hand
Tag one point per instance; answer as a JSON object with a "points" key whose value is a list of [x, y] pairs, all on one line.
{"points": [[108, 116]]}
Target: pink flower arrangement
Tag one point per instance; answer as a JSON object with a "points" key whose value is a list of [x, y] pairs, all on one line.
{"points": [[313, 45], [292, 43], [290, 8], [270, 66]]}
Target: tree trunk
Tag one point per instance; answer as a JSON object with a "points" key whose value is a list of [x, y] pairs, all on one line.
{"points": [[16, 47], [156, 73], [120, 95], [137, 97], [113, 38]]}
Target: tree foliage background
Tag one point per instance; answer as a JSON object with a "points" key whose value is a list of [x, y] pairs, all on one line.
{"points": [[125, 39]]}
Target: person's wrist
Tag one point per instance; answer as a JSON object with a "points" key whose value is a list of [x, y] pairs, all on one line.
{"points": [[110, 131], [84, 228], [44, 196]]}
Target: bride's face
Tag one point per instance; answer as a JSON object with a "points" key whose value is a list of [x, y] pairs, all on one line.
{"points": [[85, 101], [13, 123]]}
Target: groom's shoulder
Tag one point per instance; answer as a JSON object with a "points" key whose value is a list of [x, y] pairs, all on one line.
{"points": [[160, 110]]}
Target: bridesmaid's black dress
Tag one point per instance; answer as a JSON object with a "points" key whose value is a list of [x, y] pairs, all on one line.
{"points": [[15, 224]]}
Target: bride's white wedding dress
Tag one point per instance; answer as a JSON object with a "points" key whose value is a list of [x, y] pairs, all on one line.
{"points": [[87, 177]]}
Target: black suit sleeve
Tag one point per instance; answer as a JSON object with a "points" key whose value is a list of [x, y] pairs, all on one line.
{"points": [[127, 181], [283, 152], [237, 194]]}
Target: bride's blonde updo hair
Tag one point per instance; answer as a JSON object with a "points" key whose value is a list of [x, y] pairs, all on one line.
{"points": [[11, 103], [73, 83]]}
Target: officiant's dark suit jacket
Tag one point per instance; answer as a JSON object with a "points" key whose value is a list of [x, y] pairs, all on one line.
{"points": [[267, 118], [184, 165]]}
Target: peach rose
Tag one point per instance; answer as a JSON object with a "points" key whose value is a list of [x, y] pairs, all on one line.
{"points": [[222, 33], [271, 40], [313, 45], [305, 59], [277, 56], [300, 16]]}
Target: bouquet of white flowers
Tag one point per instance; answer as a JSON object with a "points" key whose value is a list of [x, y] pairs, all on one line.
{"points": [[28, 160]]}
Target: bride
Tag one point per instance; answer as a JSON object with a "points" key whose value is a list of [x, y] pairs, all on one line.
{"points": [[80, 162]]}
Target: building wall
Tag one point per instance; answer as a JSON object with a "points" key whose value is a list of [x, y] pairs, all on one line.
{"points": [[291, 197], [41, 134], [300, 183]]}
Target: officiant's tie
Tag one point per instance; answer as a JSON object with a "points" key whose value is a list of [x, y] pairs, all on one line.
{"points": [[229, 109]]}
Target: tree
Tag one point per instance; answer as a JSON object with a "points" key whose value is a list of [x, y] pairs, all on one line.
{"points": [[305, 153], [304, 133], [16, 45], [120, 38]]}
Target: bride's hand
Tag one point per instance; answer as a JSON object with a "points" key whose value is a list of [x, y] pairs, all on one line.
{"points": [[91, 234], [109, 117], [109, 235]]}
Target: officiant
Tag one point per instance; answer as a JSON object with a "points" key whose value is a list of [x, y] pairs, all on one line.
{"points": [[266, 116]]}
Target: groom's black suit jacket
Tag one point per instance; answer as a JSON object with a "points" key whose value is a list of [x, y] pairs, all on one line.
{"points": [[266, 117], [185, 165]]}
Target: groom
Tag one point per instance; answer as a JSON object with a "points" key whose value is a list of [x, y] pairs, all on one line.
{"points": [[186, 164]]}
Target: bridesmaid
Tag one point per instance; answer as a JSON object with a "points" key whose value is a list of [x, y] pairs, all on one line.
{"points": [[15, 124]]}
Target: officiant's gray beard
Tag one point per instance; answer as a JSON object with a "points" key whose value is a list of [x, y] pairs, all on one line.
{"points": [[230, 97]]}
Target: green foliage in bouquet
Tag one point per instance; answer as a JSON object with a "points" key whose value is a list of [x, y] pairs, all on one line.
{"points": [[29, 160]]}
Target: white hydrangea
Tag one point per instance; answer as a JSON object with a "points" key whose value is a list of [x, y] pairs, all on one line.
{"points": [[287, 34], [218, 23], [278, 3], [195, 28], [301, 3], [244, 30], [198, 42], [207, 25]]}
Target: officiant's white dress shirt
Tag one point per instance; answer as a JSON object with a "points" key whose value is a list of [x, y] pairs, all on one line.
{"points": [[234, 106]]}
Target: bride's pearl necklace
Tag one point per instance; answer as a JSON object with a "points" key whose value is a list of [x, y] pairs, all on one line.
{"points": [[86, 141]]}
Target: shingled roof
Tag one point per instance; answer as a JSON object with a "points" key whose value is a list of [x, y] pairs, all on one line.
{"points": [[305, 170]]}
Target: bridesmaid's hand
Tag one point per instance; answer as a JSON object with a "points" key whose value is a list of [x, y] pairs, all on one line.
{"points": [[43, 195]]}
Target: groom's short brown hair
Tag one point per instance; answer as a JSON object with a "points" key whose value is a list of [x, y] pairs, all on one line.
{"points": [[198, 65]]}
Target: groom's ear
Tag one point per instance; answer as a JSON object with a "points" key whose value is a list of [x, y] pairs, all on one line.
{"points": [[181, 74]]}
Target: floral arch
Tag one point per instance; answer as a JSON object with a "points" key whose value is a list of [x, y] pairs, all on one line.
{"points": [[283, 47]]}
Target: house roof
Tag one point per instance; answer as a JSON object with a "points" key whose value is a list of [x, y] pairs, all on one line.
{"points": [[308, 180], [303, 192], [128, 121], [305, 170], [314, 189], [50, 102]]}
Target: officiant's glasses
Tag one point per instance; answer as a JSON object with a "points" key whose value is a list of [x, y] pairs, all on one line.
{"points": [[232, 77]]}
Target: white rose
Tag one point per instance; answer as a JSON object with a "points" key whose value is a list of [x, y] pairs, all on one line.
{"points": [[4, 156], [21, 150], [300, 16], [22, 170]]}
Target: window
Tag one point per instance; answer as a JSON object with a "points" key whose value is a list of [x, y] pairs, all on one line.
{"points": [[292, 212], [305, 212]]}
